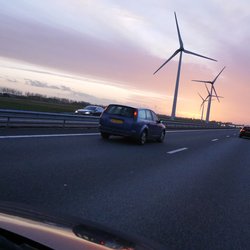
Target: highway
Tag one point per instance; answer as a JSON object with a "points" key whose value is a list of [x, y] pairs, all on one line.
{"points": [[190, 192]]}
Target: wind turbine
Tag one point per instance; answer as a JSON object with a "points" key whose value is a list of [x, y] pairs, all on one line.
{"points": [[180, 50], [204, 100], [211, 93]]}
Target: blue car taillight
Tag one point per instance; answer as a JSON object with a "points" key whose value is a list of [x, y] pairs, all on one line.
{"points": [[135, 114]]}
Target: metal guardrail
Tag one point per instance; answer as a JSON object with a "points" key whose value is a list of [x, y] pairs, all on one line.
{"points": [[18, 118], [189, 125]]}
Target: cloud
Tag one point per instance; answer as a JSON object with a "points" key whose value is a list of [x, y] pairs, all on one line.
{"points": [[6, 79], [40, 72], [40, 84], [71, 94], [11, 80]]}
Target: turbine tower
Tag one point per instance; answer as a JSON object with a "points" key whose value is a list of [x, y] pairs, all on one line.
{"points": [[180, 50], [211, 93]]}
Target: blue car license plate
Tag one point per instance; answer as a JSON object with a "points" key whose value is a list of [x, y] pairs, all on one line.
{"points": [[117, 121]]}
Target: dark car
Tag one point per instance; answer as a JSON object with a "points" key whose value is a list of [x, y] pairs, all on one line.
{"points": [[90, 110], [141, 124], [245, 131]]}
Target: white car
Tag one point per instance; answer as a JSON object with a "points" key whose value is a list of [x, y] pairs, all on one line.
{"points": [[90, 110]]}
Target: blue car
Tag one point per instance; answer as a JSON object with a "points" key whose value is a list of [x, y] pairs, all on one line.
{"points": [[141, 124]]}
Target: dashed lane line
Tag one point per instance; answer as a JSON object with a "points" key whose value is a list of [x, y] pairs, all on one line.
{"points": [[215, 139], [176, 150]]}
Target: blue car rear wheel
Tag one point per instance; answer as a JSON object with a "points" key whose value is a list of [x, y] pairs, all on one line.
{"points": [[142, 138]]}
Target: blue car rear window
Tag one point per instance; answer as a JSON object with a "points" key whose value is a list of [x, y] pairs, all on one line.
{"points": [[120, 110]]}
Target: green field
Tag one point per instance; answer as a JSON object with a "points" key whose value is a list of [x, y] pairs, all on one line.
{"points": [[35, 105]]}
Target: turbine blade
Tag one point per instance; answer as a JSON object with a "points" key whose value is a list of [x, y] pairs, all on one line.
{"points": [[203, 102], [178, 30], [207, 89], [195, 54], [216, 94], [201, 106], [218, 75], [201, 81], [200, 96], [175, 53]]}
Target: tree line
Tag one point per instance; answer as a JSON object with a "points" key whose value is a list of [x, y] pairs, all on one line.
{"points": [[9, 92]]}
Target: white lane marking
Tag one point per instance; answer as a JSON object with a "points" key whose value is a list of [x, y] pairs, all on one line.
{"points": [[177, 150], [228, 136], [43, 136], [215, 140]]}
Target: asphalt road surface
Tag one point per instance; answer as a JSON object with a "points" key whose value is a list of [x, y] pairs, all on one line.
{"points": [[190, 192]]}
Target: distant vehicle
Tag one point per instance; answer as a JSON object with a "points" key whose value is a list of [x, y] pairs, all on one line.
{"points": [[245, 131], [141, 124], [90, 110]]}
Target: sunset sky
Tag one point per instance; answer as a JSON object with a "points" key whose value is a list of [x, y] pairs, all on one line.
{"points": [[105, 51]]}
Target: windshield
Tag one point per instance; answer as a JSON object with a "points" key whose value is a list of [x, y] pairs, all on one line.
{"points": [[167, 160]]}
